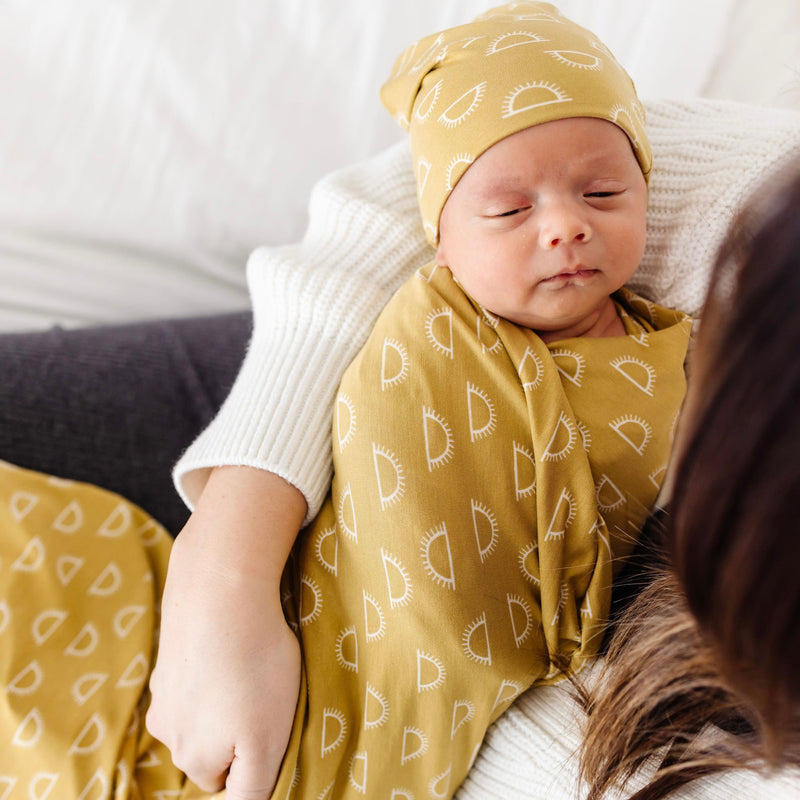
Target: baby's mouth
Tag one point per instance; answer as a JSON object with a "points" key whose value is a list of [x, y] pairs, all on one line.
{"points": [[580, 274]]}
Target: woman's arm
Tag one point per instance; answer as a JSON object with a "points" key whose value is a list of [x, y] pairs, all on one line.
{"points": [[229, 666]]}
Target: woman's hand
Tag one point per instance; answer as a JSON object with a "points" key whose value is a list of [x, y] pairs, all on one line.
{"points": [[226, 680]]}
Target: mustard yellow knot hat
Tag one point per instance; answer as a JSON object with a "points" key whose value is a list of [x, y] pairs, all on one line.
{"points": [[462, 90]]}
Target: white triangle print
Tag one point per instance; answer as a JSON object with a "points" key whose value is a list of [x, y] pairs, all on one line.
{"points": [[7, 784], [97, 788], [107, 582], [32, 557], [84, 643], [90, 737], [67, 567], [126, 618], [27, 680], [29, 731], [46, 624], [86, 686], [117, 523], [135, 673], [21, 504], [70, 518], [42, 784]]}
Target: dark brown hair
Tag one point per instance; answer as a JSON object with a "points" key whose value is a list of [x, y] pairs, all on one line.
{"points": [[715, 639]]}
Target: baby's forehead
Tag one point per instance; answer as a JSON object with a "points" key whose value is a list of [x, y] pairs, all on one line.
{"points": [[565, 149]]}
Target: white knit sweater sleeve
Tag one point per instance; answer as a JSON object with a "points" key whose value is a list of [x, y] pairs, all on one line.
{"points": [[313, 306]]}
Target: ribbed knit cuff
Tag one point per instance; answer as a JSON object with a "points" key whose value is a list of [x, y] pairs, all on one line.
{"points": [[314, 305]]}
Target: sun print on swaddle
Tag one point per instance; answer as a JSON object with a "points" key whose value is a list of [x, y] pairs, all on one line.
{"points": [[439, 441], [481, 413], [394, 364], [637, 371]]}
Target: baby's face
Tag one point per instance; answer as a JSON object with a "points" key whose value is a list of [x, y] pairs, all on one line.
{"points": [[547, 223]]}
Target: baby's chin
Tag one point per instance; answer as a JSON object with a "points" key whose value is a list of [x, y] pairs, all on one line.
{"points": [[587, 319]]}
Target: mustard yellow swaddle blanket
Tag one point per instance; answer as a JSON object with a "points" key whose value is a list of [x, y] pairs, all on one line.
{"points": [[81, 573], [486, 486]]}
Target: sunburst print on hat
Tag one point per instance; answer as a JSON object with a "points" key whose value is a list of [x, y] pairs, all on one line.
{"points": [[459, 91]]}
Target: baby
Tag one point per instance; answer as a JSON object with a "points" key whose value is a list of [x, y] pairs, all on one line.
{"points": [[502, 435]]}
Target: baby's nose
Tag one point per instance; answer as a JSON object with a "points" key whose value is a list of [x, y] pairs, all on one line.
{"points": [[563, 225]]}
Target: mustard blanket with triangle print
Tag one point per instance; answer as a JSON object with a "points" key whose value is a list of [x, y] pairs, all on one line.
{"points": [[81, 573]]}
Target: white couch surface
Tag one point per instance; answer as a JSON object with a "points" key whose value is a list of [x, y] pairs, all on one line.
{"points": [[147, 146]]}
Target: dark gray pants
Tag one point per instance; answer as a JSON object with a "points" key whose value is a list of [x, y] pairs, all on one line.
{"points": [[117, 405]]}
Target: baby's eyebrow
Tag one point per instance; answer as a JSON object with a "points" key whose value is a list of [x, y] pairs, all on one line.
{"points": [[500, 188]]}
